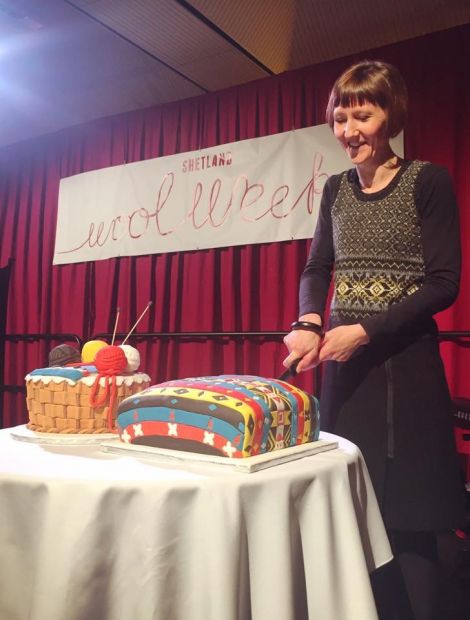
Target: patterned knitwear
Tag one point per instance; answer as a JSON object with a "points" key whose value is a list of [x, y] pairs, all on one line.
{"points": [[379, 256]]}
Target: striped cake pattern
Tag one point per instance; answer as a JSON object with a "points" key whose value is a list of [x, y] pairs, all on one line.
{"points": [[227, 415]]}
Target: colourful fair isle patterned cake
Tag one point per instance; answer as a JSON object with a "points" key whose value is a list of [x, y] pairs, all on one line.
{"points": [[228, 415]]}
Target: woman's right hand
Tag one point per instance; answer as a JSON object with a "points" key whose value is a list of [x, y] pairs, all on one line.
{"points": [[305, 345]]}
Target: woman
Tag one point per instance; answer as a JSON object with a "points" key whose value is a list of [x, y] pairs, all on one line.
{"points": [[389, 230]]}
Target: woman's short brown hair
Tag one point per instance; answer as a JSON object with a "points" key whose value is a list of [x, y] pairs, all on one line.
{"points": [[372, 82]]}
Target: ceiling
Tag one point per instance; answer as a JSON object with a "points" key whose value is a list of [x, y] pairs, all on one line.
{"points": [[65, 62]]}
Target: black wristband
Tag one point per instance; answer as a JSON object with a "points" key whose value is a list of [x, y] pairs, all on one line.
{"points": [[308, 326]]}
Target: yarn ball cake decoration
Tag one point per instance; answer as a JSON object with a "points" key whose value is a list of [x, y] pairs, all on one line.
{"points": [[90, 350], [64, 355], [235, 416]]}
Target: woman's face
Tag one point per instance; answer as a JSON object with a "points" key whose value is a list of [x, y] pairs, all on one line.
{"points": [[362, 131]]}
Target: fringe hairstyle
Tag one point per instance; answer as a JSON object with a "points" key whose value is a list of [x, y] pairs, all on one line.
{"points": [[371, 82]]}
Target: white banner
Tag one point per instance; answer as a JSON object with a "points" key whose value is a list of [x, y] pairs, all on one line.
{"points": [[253, 191]]}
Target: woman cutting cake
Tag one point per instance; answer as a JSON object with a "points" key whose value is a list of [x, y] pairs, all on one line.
{"points": [[388, 228]]}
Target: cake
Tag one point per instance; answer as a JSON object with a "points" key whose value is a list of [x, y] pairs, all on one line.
{"points": [[82, 398], [235, 416]]}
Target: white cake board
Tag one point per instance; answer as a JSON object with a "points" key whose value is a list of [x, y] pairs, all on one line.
{"points": [[23, 433], [246, 465]]}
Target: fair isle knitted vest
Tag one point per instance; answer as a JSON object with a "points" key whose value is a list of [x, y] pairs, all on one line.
{"points": [[378, 249]]}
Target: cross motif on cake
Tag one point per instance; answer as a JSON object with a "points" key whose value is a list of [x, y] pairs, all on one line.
{"points": [[208, 438], [125, 436], [229, 449], [172, 429], [138, 432]]}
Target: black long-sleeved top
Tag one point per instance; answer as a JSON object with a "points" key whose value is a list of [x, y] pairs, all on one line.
{"points": [[395, 253]]}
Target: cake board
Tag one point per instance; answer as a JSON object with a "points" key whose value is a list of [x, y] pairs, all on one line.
{"points": [[23, 433], [246, 465]]}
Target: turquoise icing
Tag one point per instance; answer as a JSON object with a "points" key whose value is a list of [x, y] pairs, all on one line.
{"points": [[162, 414], [66, 372]]}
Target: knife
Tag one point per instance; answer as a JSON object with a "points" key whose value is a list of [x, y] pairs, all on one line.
{"points": [[291, 371]]}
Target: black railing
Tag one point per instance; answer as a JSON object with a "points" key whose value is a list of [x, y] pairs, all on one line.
{"points": [[34, 337], [457, 338], [178, 335]]}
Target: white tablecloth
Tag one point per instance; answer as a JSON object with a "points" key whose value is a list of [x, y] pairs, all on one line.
{"points": [[86, 535]]}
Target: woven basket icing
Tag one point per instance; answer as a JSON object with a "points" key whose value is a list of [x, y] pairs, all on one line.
{"points": [[57, 405]]}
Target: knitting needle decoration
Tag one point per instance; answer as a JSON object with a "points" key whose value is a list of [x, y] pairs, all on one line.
{"points": [[137, 322], [115, 326]]}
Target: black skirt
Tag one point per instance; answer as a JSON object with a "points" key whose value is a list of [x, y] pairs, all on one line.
{"points": [[392, 401]]}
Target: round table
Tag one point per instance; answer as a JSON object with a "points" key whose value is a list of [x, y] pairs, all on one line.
{"points": [[88, 535]]}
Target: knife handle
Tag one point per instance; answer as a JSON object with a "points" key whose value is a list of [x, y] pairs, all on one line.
{"points": [[291, 371]]}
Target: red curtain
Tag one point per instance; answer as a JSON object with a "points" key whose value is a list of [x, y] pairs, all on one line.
{"points": [[247, 288]]}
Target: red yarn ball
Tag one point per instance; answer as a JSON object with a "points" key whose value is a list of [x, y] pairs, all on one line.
{"points": [[111, 360]]}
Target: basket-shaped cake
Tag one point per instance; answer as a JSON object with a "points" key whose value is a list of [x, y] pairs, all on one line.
{"points": [[59, 400]]}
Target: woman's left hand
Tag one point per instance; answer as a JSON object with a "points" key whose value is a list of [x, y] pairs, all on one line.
{"points": [[340, 343]]}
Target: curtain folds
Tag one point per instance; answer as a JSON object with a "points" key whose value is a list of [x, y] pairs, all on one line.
{"points": [[246, 288]]}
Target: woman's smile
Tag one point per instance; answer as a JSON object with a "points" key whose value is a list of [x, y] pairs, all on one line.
{"points": [[362, 131]]}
